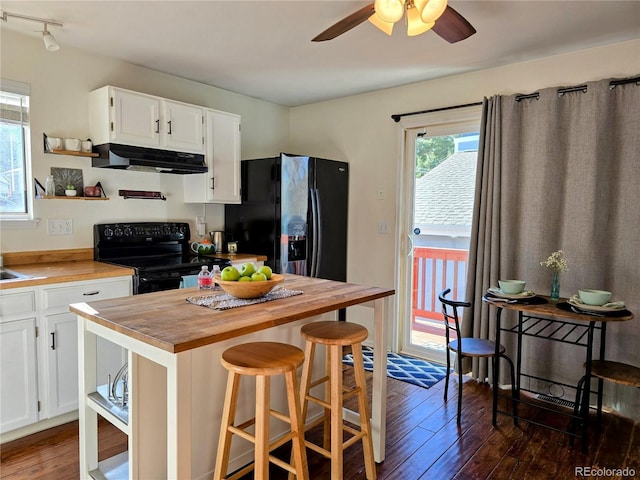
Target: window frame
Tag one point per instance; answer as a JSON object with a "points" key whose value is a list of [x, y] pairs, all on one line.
{"points": [[26, 219]]}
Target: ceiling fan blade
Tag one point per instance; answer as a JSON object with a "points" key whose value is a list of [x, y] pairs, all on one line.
{"points": [[452, 26], [345, 24]]}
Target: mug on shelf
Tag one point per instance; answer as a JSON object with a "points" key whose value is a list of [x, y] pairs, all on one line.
{"points": [[72, 144], [55, 143]]}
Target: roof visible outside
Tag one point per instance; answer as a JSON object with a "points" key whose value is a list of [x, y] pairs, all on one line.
{"points": [[444, 195]]}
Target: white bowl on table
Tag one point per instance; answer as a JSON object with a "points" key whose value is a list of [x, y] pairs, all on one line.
{"points": [[589, 296], [512, 287]]}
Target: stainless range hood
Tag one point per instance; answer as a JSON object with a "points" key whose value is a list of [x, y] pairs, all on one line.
{"points": [[126, 157]]}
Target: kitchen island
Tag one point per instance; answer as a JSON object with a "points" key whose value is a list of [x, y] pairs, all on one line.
{"points": [[176, 382]]}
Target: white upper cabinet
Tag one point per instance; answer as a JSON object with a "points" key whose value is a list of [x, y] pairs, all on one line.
{"points": [[131, 118], [135, 119], [221, 184], [183, 128]]}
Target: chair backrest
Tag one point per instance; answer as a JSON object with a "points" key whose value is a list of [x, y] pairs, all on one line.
{"points": [[450, 313]]}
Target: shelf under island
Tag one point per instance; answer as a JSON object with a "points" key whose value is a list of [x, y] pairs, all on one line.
{"points": [[176, 382]]}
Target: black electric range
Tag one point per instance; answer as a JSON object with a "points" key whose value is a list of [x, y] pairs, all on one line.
{"points": [[159, 252]]}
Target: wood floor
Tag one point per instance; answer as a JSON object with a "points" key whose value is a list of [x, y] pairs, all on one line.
{"points": [[423, 442]]}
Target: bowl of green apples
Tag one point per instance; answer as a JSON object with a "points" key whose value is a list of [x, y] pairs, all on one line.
{"points": [[248, 281]]}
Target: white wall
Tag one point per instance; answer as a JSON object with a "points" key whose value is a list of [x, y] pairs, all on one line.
{"points": [[60, 84], [359, 130]]}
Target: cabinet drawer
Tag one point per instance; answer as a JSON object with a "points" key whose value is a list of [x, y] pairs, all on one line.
{"points": [[15, 303], [63, 296]]}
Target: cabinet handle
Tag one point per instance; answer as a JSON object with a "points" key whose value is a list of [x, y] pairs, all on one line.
{"points": [[169, 122], [53, 340], [158, 126], [95, 292], [213, 183]]}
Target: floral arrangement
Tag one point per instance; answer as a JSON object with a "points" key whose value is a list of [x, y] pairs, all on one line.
{"points": [[556, 262]]}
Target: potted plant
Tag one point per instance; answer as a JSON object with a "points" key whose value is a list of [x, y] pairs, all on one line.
{"points": [[70, 191]]}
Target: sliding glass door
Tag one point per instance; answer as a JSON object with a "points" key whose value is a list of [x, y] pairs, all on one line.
{"points": [[436, 211]]}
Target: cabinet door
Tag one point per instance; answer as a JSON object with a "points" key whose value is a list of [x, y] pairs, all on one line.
{"points": [[18, 374], [224, 150], [221, 184], [182, 128], [62, 348], [135, 119]]}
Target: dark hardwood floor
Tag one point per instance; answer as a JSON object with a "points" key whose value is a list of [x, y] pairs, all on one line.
{"points": [[423, 442]]}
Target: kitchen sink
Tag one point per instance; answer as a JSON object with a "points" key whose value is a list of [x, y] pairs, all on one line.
{"points": [[6, 274]]}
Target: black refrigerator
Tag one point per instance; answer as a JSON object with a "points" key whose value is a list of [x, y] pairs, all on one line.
{"points": [[294, 210]]}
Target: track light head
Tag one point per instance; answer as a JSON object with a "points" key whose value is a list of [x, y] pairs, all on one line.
{"points": [[49, 41]]}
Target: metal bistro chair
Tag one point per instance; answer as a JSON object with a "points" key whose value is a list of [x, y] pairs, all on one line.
{"points": [[468, 347]]}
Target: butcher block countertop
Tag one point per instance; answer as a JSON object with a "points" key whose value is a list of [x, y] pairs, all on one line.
{"points": [[165, 319], [57, 266]]}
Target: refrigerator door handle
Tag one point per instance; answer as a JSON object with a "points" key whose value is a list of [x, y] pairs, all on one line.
{"points": [[316, 238]]}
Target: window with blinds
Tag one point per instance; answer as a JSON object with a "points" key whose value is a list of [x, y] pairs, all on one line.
{"points": [[15, 202]]}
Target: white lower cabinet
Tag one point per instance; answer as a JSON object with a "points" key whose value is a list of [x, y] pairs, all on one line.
{"points": [[18, 373], [62, 360], [39, 349]]}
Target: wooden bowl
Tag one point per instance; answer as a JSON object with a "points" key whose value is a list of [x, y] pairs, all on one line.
{"points": [[249, 289]]}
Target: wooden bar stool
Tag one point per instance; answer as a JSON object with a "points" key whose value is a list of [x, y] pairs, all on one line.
{"points": [[607, 370], [336, 335], [262, 360]]}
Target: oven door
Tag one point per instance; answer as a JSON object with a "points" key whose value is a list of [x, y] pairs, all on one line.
{"points": [[155, 282]]}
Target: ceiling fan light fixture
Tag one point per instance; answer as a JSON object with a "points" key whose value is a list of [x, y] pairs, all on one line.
{"points": [[415, 26], [389, 11], [386, 27], [431, 10], [49, 41]]}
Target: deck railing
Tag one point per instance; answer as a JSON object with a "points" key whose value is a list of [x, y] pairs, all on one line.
{"points": [[435, 269]]}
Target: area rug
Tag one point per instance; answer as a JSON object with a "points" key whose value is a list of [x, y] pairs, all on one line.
{"points": [[407, 369]]}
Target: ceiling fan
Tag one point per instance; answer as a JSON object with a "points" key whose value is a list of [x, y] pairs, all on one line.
{"points": [[421, 16]]}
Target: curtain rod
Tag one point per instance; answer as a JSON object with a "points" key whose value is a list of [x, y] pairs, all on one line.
{"points": [[396, 117], [614, 83], [581, 88]]}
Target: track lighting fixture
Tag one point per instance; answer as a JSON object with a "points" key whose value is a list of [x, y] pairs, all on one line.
{"points": [[49, 42]]}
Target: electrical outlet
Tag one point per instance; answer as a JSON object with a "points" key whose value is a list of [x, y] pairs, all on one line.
{"points": [[383, 228], [59, 226]]}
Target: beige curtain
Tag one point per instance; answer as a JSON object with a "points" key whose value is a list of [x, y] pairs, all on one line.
{"points": [[560, 169]]}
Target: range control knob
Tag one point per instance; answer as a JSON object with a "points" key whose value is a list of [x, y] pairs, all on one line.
{"points": [[127, 231], [118, 232], [108, 232]]}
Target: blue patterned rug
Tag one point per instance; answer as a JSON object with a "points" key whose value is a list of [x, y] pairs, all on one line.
{"points": [[407, 369]]}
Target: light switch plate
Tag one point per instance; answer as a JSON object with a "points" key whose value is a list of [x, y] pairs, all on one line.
{"points": [[59, 226]]}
